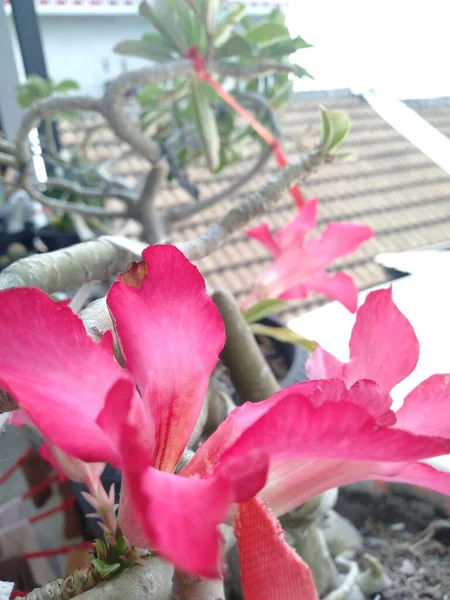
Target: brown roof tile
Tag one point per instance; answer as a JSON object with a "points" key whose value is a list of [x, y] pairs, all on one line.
{"points": [[389, 185]]}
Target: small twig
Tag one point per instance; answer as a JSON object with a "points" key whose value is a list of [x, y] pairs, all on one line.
{"points": [[7, 146], [103, 170], [81, 209], [99, 193], [430, 532], [249, 371], [9, 160], [184, 212]]}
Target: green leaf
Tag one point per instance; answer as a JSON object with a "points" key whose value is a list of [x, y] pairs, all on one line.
{"points": [[283, 334], [162, 17], [104, 569], [100, 549], [252, 85], [343, 155], [236, 45], [282, 94], [34, 88], [206, 125], [285, 48], [267, 34], [263, 308], [67, 85], [301, 72], [143, 49], [277, 16], [225, 27], [191, 25], [335, 128]]}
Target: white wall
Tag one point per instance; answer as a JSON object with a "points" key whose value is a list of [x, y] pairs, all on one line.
{"points": [[81, 47], [397, 46]]}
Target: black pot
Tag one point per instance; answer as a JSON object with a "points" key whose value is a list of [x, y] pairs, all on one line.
{"points": [[55, 240], [294, 355], [24, 237]]}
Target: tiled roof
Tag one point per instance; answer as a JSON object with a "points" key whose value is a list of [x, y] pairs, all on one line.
{"points": [[435, 111], [389, 185]]}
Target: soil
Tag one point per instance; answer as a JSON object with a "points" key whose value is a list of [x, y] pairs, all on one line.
{"points": [[409, 532]]}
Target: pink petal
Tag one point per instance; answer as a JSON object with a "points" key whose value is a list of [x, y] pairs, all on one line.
{"points": [[375, 400], [175, 515], [336, 286], [46, 453], [19, 418], [295, 231], [180, 516], [323, 365], [419, 474], [263, 235], [295, 292], [124, 421], [171, 335], [425, 408], [293, 267], [56, 372], [338, 239], [228, 432], [383, 345], [270, 568], [317, 435]]}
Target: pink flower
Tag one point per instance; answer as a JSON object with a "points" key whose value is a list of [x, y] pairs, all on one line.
{"points": [[299, 266], [87, 406], [307, 438]]}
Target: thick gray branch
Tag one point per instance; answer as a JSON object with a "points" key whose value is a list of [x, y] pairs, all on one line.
{"points": [[249, 371], [73, 266], [253, 206], [151, 581], [192, 588], [114, 104], [44, 108], [107, 256], [145, 212]]}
